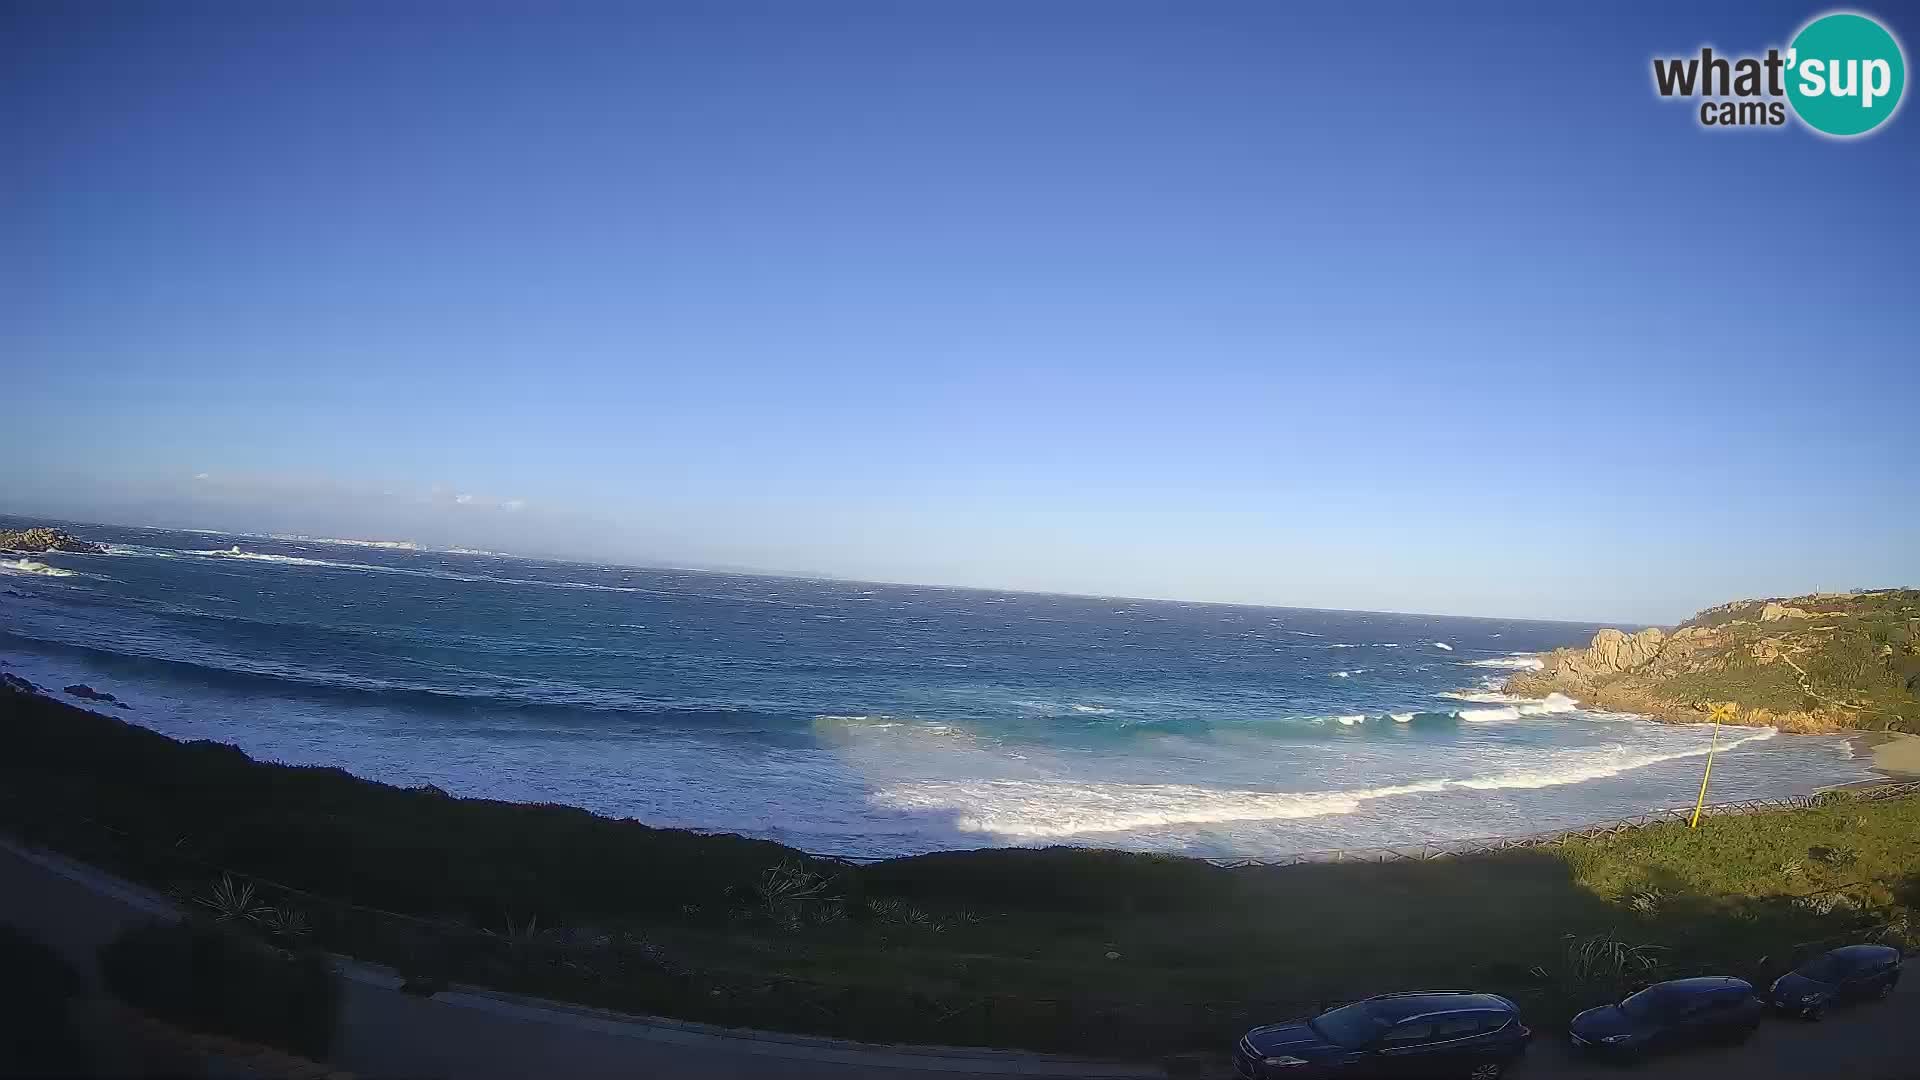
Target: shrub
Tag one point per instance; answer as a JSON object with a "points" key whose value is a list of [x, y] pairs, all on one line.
{"points": [[214, 980]]}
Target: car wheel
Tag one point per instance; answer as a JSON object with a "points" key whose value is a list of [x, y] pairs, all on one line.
{"points": [[1885, 990], [1488, 1070], [1814, 1012]]}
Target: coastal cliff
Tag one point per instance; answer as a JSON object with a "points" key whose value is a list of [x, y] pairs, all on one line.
{"points": [[1825, 662], [40, 539]]}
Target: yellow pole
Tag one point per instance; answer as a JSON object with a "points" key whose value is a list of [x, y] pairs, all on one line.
{"points": [[1719, 712]]}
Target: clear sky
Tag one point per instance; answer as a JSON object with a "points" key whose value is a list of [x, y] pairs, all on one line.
{"points": [[1375, 307]]}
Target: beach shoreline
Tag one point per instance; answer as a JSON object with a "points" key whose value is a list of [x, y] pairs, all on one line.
{"points": [[1896, 755]]}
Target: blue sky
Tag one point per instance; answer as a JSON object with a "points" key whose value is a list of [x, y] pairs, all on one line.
{"points": [[1375, 307]]}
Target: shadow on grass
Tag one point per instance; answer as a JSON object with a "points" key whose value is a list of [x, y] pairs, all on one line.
{"points": [[1109, 953]]}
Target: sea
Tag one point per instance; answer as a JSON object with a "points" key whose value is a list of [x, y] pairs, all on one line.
{"points": [[859, 719]]}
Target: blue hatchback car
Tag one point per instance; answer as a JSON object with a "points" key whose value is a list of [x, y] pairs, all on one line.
{"points": [[1428, 1033]]}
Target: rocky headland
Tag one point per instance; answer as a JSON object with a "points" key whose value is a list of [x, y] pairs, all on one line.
{"points": [[1821, 663]]}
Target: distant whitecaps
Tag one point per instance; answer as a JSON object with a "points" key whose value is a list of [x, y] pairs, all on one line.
{"points": [[444, 575], [1443, 645]]}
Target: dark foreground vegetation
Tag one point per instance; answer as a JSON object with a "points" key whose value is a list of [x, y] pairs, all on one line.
{"points": [[37, 988], [212, 978], [1096, 952]]}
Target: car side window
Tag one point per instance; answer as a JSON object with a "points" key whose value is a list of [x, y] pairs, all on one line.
{"points": [[1412, 1033], [1459, 1027]]}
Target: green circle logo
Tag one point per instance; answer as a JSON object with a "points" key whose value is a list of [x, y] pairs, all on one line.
{"points": [[1845, 73]]}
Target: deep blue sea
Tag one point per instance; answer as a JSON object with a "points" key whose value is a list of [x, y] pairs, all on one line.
{"points": [[858, 718]]}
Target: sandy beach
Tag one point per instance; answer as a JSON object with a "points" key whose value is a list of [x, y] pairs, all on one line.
{"points": [[1894, 753]]}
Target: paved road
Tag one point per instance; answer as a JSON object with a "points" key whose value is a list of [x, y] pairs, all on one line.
{"points": [[475, 1036]]}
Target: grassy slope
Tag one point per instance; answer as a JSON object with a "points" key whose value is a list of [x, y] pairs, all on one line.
{"points": [[1844, 661], [998, 947]]}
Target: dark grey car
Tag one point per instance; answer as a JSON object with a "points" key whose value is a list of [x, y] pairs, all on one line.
{"points": [[1668, 1015], [1442, 1034], [1849, 973]]}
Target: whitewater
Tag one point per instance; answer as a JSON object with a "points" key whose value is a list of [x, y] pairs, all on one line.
{"points": [[855, 718]]}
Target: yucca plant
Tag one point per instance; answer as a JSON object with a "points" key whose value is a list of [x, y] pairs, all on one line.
{"points": [[283, 922], [1608, 958], [229, 902]]}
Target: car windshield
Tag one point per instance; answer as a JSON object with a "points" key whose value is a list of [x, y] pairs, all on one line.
{"points": [[1647, 1003], [1349, 1025], [1827, 968]]}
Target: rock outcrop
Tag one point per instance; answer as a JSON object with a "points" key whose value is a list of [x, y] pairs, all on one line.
{"points": [[1612, 652], [41, 539], [82, 690], [1848, 661]]}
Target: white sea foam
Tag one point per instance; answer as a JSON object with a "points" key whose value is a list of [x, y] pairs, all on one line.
{"points": [[1552, 703], [1443, 645], [1484, 697], [1514, 662], [1357, 718], [1038, 810], [287, 560], [1401, 717], [30, 566], [1096, 710], [138, 550], [1343, 674]]}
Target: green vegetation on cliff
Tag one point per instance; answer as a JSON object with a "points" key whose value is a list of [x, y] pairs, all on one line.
{"points": [[1061, 949], [1830, 661]]}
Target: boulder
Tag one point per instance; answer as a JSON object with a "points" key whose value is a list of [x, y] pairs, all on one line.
{"points": [[82, 690], [1775, 612]]}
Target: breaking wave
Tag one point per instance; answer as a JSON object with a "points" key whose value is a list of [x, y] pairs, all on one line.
{"points": [[1515, 662], [1034, 810], [1552, 703], [30, 566]]}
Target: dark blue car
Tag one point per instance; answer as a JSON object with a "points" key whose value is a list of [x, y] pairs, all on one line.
{"points": [[1429, 1033], [1670, 1014], [1849, 973]]}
